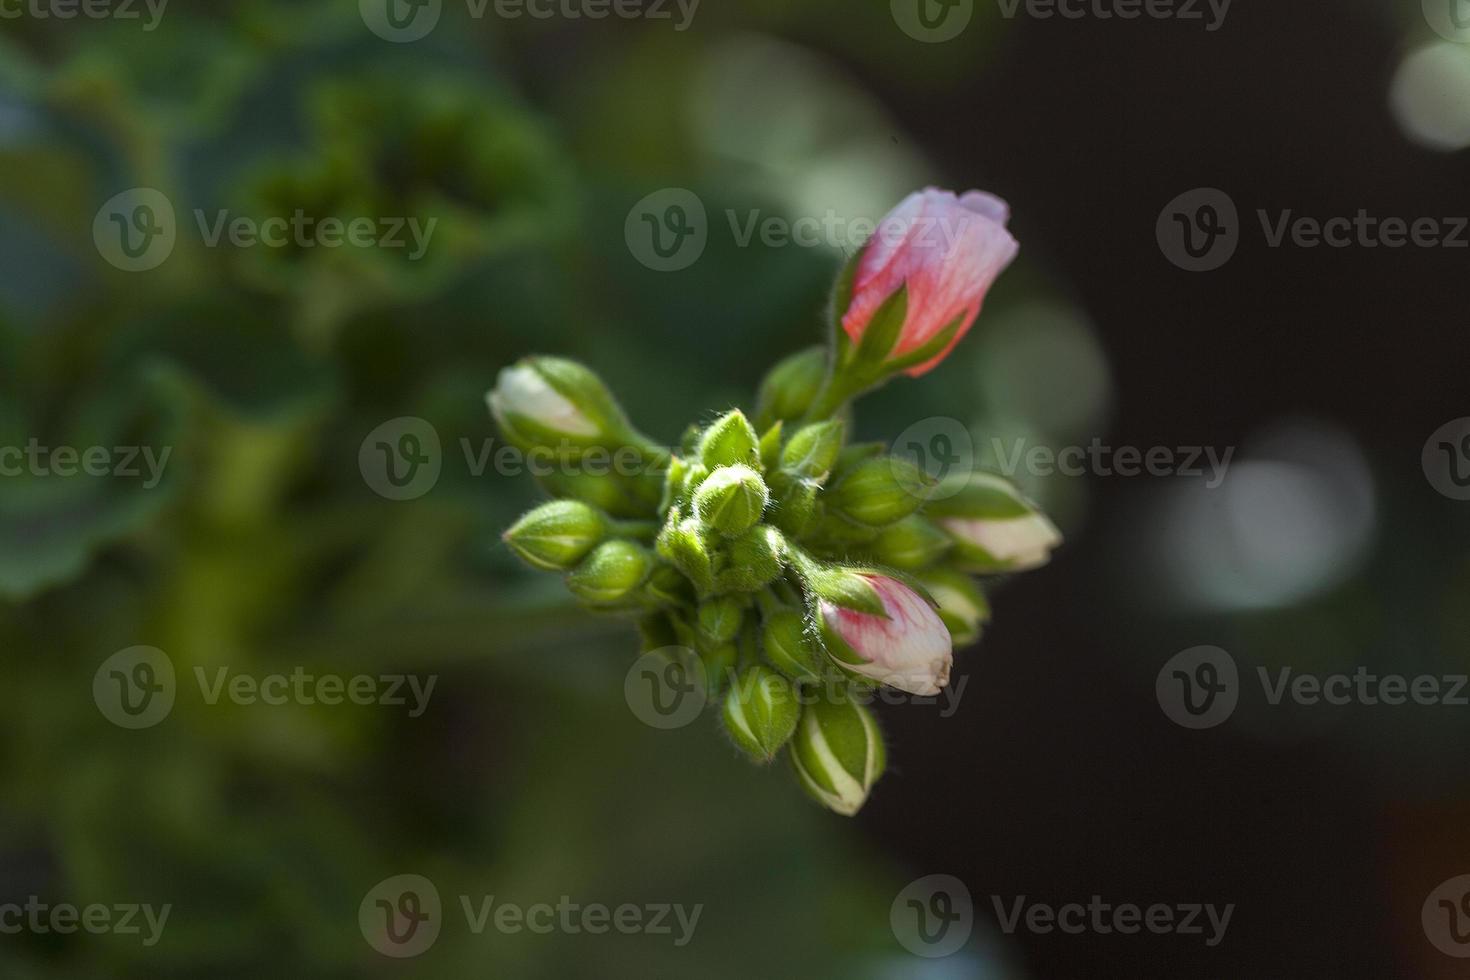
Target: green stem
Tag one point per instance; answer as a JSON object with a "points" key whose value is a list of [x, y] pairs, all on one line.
{"points": [[642, 530]]}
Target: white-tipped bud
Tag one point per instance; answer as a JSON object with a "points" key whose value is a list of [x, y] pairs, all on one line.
{"points": [[994, 527], [760, 712], [962, 605], [556, 403], [837, 753]]}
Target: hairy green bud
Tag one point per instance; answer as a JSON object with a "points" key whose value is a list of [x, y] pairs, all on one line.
{"points": [[789, 646], [912, 543], [838, 754], [754, 560], [791, 386], [730, 440], [611, 572], [719, 619], [731, 499], [962, 605], [881, 491], [760, 712], [556, 535], [813, 449]]}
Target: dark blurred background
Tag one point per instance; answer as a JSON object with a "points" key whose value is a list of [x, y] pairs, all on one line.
{"points": [[266, 546]]}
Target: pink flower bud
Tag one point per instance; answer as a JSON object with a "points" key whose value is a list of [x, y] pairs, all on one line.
{"points": [[949, 250], [910, 650]]}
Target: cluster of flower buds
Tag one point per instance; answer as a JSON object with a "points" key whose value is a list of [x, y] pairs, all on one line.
{"points": [[801, 570]]}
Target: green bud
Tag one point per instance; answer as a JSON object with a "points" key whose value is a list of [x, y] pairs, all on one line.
{"points": [[791, 386], [556, 535], [668, 586], [795, 504], [611, 573], [910, 544], [730, 440], [790, 648], [813, 449], [832, 533], [845, 587], [731, 499], [770, 447], [838, 754], [761, 712], [754, 560], [719, 665], [682, 543], [962, 605], [619, 496], [655, 633], [881, 491], [719, 619], [557, 403]]}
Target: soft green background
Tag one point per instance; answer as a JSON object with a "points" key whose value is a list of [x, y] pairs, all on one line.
{"points": [[263, 549]]}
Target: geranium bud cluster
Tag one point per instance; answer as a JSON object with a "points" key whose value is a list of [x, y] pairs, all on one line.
{"points": [[800, 569]]}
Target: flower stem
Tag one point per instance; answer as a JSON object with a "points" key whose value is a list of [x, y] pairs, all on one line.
{"points": [[643, 530]]}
